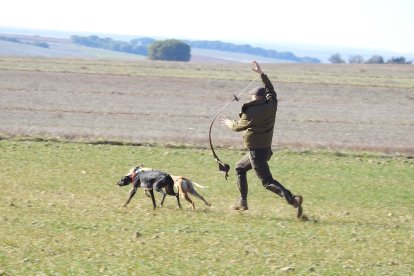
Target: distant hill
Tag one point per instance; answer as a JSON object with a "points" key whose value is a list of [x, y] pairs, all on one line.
{"points": [[25, 45], [58, 48], [61, 46]]}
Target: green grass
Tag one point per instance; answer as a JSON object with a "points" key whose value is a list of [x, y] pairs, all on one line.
{"points": [[61, 214]]}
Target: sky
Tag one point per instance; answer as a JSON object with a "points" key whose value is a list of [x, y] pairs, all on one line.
{"points": [[361, 24]]}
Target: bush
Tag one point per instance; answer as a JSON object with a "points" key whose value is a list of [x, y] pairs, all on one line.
{"points": [[170, 49], [356, 59], [336, 58], [375, 60], [398, 60]]}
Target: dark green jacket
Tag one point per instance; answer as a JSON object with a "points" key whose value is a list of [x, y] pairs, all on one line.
{"points": [[257, 119]]}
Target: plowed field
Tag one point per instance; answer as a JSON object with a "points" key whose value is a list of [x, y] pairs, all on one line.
{"points": [[321, 106]]}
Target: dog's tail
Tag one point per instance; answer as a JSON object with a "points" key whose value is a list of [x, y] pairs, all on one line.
{"points": [[200, 186]]}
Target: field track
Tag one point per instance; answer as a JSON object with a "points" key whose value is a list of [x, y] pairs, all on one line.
{"points": [[321, 106]]}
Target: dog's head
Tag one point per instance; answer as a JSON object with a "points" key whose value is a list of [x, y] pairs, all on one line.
{"points": [[127, 179], [130, 177]]}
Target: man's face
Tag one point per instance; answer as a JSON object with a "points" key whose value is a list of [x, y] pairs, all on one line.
{"points": [[254, 97]]}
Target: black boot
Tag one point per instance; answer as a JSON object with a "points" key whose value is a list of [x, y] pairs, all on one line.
{"points": [[241, 204], [281, 191], [295, 201], [242, 185]]}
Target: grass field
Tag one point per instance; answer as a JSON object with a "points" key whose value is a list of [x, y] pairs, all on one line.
{"points": [[61, 214]]}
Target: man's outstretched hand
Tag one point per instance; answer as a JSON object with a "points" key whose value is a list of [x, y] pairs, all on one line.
{"points": [[256, 67], [226, 122]]}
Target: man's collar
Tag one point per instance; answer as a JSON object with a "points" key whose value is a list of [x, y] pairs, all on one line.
{"points": [[256, 102]]}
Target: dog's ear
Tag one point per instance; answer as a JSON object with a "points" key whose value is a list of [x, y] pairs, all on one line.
{"points": [[138, 168]]}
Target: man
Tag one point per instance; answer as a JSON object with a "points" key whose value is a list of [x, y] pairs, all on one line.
{"points": [[257, 119]]}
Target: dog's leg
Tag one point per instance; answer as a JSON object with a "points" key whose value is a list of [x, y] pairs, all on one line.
{"points": [[178, 183], [162, 200], [163, 196], [202, 198], [154, 204], [185, 195], [178, 200], [192, 191], [131, 195], [158, 186], [168, 184], [182, 187]]}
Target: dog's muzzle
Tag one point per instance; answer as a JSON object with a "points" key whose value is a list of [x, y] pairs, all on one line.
{"points": [[125, 180]]}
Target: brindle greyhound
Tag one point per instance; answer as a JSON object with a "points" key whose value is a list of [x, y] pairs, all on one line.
{"points": [[149, 180]]}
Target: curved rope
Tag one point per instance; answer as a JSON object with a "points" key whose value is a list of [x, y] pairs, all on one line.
{"points": [[223, 167]]}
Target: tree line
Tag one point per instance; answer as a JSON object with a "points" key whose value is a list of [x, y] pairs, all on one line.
{"points": [[132, 47], [41, 44], [167, 49], [375, 59], [170, 49], [247, 49]]}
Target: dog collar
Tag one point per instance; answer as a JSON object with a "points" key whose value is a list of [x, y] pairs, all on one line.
{"points": [[134, 176]]}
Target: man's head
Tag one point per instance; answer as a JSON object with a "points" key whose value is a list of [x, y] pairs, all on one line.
{"points": [[257, 93]]}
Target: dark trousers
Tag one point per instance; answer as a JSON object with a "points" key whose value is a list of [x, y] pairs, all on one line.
{"points": [[257, 159]]}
